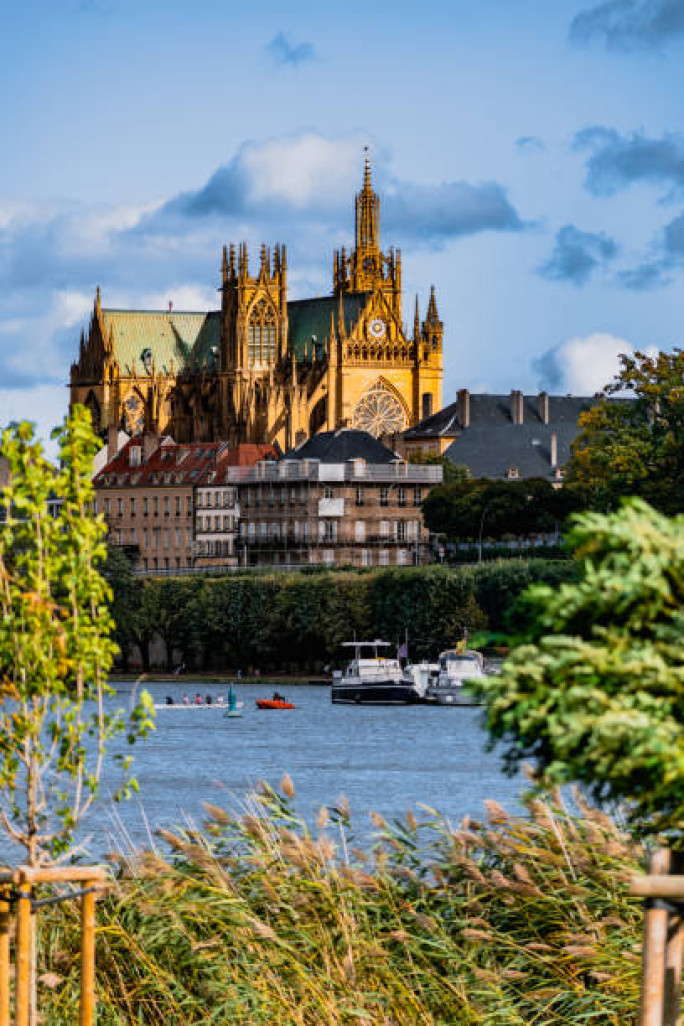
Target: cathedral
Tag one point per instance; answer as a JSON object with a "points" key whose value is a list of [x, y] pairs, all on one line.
{"points": [[264, 368]]}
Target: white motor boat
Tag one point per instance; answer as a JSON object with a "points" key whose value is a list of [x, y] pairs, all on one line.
{"points": [[456, 669], [371, 678], [420, 676]]}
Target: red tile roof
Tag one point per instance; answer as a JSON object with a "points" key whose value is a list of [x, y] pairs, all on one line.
{"points": [[177, 464]]}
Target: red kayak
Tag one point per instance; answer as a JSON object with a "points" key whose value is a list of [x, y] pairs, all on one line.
{"points": [[273, 703]]}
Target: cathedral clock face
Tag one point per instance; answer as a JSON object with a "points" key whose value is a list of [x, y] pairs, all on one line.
{"points": [[134, 415], [376, 328]]}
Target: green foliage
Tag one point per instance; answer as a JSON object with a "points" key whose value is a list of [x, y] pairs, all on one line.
{"points": [[593, 690], [472, 508], [635, 448], [298, 621], [260, 919], [56, 645]]}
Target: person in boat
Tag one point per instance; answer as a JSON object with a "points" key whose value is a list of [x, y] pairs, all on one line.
{"points": [[277, 697], [198, 699], [220, 700], [186, 699], [208, 700], [169, 700]]}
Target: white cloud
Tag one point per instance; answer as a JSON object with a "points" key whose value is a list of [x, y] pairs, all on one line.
{"points": [[183, 297], [304, 169], [583, 365]]}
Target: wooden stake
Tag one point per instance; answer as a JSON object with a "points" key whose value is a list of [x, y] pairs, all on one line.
{"points": [[655, 944], [4, 959], [87, 1017], [23, 957], [673, 958]]}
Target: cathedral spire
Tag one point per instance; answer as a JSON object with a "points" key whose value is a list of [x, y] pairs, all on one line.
{"points": [[367, 219], [416, 323]]}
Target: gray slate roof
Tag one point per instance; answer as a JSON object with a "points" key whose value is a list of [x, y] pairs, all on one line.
{"points": [[343, 445], [492, 444]]}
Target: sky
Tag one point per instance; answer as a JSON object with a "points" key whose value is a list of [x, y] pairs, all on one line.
{"points": [[529, 157]]}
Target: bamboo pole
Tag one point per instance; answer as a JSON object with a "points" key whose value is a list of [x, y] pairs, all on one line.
{"points": [[673, 958], [87, 1016], [23, 957], [4, 959], [655, 944]]}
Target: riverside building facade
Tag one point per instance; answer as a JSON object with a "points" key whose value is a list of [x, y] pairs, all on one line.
{"points": [[342, 499], [319, 505]]}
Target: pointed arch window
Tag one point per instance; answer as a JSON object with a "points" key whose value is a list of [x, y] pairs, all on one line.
{"points": [[261, 335]]}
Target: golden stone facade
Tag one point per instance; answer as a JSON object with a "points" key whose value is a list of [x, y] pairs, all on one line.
{"points": [[264, 368]]}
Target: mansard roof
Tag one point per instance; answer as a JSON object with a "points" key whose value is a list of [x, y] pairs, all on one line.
{"points": [[493, 446], [175, 339], [312, 317], [342, 445]]}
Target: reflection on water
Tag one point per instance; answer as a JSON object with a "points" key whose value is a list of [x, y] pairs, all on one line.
{"points": [[388, 759]]}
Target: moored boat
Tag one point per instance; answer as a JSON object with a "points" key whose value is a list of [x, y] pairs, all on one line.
{"points": [[456, 669], [419, 676], [371, 678]]}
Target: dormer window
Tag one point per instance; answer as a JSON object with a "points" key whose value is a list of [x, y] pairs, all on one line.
{"points": [[134, 456]]}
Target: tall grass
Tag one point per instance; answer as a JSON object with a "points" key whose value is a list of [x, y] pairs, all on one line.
{"points": [[256, 919]]}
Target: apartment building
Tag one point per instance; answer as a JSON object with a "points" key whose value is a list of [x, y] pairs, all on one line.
{"points": [[217, 506], [341, 499], [147, 495]]}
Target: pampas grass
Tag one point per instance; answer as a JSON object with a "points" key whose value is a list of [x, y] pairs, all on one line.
{"points": [[256, 919]]}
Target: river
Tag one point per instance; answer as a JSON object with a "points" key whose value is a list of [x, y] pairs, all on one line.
{"points": [[387, 759]]}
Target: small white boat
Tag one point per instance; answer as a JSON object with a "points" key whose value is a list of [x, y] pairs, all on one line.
{"points": [[456, 669], [198, 706]]}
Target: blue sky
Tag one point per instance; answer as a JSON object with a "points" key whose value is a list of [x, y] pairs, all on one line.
{"points": [[529, 156]]}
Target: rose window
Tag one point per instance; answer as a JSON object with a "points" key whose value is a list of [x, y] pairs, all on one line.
{"points": [[379, 413]]}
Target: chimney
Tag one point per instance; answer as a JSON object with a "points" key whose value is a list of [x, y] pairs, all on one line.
{"points": [[150, 444], [544, 407], [516, 407], [112, 442], [463, 397], [554, 450]]}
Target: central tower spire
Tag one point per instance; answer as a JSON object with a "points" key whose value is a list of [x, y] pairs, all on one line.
{"points": [[367, 220]]}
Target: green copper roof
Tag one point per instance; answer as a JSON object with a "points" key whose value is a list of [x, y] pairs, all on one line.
{"points": [[177, 340], [307, 317]]}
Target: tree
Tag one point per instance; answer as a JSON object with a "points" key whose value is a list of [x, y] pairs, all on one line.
{"points": [[635, 446], [56, 646], [472, 507], [125, 602], [593, 689]]}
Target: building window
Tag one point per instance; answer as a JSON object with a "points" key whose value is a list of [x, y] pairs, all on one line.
{"points": [[167, 502], [132, 507], [146, 540], [384, 496], [188, 508], [261, 334], [360, 530], [178, 505], [383, 557], [427, 405], [384, 528], [417, 496], [119, 507], [155, 504], [359, 495], [401, 530], [179, 538], [402, 557], [146, 506], [106, 505], [293, 496], [327, 492], [401, 496], [365, 557]]}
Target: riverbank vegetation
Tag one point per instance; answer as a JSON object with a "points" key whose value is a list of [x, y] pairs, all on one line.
{"points": [[294, 622], [258, 920]]}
